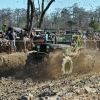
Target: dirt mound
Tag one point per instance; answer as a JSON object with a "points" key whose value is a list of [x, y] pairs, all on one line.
{"points": [[24, 65], [11, 63], [86, 62]]}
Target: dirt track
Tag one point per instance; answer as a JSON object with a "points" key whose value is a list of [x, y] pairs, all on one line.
{"points": [[24, 63], [25, 77]]}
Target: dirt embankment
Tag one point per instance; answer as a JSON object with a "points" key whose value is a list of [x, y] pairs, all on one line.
{"points": [[10, 63], [24, 65]]}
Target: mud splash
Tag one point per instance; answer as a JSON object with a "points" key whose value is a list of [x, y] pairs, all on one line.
{"points": [[86, 62], [24, 65]]}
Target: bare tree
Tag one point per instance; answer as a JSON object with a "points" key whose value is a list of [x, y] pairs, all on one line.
{"points": [[36, 15], [43, 11], [6, 17], [30, 14]]}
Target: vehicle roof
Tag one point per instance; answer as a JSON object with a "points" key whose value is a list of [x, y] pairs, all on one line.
{"points": [[18, 29], [38, 30], [69, 31]]}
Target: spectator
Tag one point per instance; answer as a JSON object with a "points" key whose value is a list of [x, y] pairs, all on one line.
{"points": [[1, 34], [96, 38], [12, 38], [84, 38], [25, 39], [21, 35], [32, 35], [87, 33], [7, 34]]}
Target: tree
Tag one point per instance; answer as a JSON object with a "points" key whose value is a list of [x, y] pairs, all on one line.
{"points": [[93, 24], [59, 18], [43, 11], [65, 16], [5, 16], [55, 18], [70, 24], [98, 13], [30, 15]]}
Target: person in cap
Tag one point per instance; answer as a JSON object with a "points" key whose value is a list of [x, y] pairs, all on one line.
{"points": [[4, 28]]}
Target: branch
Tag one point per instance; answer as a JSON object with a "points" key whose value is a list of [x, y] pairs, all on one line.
{"points": [[39, 6], [49, 4], [44, 11], [42, 6]]}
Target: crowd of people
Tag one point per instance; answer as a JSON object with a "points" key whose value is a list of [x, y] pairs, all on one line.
{"points": [[13, 35], [91, 36]]}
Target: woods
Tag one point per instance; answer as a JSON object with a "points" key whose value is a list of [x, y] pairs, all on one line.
{"points": [[31, 12], [69, 17]]}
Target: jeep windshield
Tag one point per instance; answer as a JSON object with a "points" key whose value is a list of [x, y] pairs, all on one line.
{"points": [[64, 38]]}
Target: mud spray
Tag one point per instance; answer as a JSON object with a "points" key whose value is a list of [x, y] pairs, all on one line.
{"points": [[23, 65]]}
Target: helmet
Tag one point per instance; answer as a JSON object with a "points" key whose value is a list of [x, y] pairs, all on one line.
{"points": [[5, 25]]}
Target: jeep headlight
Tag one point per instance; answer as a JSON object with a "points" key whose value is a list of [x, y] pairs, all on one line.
{"points": [[38, 46], [47, 46]]}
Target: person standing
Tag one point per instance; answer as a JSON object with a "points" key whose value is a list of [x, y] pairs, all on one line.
{"points": [[96, 40], [32, 35], [25, 40], [84, 38], [12, 38]]}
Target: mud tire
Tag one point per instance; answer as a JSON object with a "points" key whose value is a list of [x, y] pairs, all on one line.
{"points": [[60, 63], [67, 65]]}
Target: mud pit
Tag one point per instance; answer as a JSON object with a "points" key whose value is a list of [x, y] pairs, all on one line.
{"points": [[22, 65]]}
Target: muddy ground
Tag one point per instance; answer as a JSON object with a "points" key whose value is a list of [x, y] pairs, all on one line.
{"points": [[26, 76]]}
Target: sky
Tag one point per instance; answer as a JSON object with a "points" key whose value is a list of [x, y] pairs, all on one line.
{"points": [[87, 4]]}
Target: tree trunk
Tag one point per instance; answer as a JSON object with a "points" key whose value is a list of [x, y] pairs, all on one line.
{"points": [[28, 8], [30, 15], [44, 11]]}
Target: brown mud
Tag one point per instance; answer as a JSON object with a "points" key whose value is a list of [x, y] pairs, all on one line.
{"points": [[23, 65]]}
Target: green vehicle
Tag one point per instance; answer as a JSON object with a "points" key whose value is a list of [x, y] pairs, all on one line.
{"points": [[57, 52], [63, 42], [70, 39], [73, 40]]}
